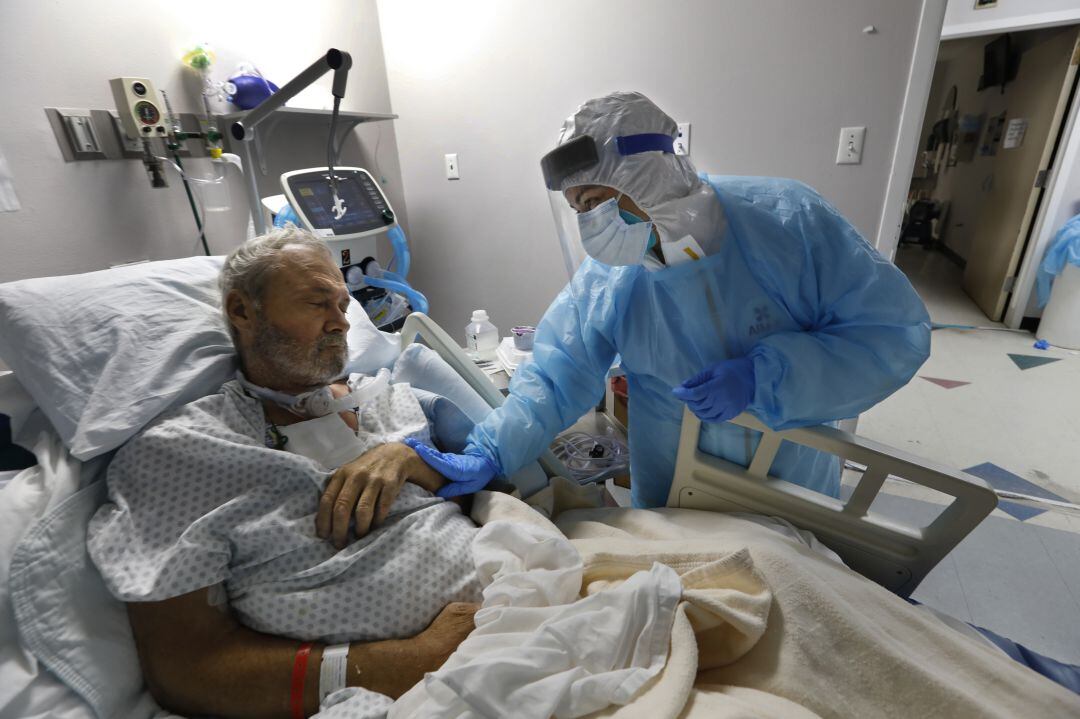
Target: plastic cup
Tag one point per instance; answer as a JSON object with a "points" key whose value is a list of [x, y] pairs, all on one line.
{"points": [[523, 337]]}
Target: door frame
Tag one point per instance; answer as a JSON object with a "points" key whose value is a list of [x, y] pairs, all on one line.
{"points": [[1024, 256], [1042, 230], [1016, 23], [916, 95]]}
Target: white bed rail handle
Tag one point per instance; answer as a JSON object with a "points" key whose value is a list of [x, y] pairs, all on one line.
{"points": [[893, 554]]}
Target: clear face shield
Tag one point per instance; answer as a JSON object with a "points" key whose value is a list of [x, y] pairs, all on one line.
{"points": [[562, 162], [566, 227], [582, 157]]}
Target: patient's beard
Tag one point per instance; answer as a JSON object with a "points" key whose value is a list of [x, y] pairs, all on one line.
{"points": [[291, 362]]}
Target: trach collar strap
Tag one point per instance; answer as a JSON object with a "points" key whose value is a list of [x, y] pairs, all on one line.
{"points": [[321, 402]]}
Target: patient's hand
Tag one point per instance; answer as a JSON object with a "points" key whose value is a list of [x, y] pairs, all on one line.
{"points": [[446, 632], [393, 666], [365, 488]]}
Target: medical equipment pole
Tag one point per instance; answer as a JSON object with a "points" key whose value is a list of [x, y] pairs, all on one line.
{"points": [[243, 130], [251, 185], [191, 201], [176, 136]]}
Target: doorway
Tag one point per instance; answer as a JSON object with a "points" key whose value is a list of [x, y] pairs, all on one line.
{"points": [[993, 125], [987, 401]]}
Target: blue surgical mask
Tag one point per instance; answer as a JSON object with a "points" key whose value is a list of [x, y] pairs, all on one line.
{"points": [[611, 238]]}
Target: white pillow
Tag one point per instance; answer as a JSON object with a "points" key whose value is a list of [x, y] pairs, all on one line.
{"points": [[424, 369], [103, 353]]}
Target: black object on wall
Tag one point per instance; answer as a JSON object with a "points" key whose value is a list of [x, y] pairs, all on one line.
{"points": [[1001, 63]]}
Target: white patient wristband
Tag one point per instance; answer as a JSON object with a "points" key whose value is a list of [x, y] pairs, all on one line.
{"points": [[333, 670]]}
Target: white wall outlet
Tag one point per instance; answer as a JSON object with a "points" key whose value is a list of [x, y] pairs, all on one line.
{"points": [[452, 172], [682, 140], [849, 151]]}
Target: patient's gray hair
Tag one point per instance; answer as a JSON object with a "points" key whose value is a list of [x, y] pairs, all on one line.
{"points": [[249, 266]]}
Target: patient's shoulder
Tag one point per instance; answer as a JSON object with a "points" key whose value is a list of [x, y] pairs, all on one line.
{"points": [[205, 411], [226, 416]]}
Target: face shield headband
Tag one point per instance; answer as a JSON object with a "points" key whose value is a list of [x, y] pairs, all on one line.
{"points": [[582, 152]]}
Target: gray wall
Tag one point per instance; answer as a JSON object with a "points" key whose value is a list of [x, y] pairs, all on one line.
{"points": [[766, 84], [86, 216]]}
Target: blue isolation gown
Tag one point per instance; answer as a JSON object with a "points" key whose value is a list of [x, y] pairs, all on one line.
{"points": [[832, 329]]}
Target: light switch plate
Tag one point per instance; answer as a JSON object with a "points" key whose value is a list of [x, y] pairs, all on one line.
{"points": [[452, 171], [850, 148], [682, 140]]}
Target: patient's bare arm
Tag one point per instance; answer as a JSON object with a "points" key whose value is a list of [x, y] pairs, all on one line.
{"points": [[197, 659]]}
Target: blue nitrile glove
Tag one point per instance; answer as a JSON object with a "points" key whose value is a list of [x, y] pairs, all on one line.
{"points": [[721, 391], [467, 473]]}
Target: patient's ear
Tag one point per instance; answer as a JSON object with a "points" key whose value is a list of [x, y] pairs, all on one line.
{"points": [[239, 309]]}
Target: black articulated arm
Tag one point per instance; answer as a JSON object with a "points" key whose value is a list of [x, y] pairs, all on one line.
{"points": [[336, 60]]}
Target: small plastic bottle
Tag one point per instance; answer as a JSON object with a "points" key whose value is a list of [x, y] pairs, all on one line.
{"points": [[481, 337]]}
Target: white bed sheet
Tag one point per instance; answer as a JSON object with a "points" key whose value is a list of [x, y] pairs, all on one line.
{"points": [[8, 475]]}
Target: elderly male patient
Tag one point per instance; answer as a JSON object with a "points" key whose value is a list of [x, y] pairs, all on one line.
{"points": [[250, 523]]}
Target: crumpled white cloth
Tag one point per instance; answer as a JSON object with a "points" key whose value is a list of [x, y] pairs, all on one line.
{"points": [[539, 650]]}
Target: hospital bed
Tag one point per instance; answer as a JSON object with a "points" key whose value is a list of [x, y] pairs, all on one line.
{"points": [[893, 554]]}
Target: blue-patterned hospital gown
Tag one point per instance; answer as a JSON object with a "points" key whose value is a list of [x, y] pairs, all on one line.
{"points": [[198, 499]]}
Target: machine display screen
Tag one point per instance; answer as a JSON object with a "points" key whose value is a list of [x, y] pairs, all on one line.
{"points": [[363, 205]]}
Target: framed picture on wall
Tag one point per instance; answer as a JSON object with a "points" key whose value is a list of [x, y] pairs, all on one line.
{"points": [[992, 137], [970, 128]]}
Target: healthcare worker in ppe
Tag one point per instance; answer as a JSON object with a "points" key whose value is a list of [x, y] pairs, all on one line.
{"points": [[723, 294]]}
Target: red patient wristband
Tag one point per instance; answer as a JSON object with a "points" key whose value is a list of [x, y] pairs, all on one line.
{"points": [[299, 671]]}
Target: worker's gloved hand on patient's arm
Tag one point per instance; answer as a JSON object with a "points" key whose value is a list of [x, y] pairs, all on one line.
{"points": [[719, 392], [467, 473]]}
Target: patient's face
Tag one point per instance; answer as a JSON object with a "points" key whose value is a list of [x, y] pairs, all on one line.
{"points": [[298, 334]]}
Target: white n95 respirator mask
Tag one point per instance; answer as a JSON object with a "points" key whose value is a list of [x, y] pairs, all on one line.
{"points": [[610, 239]]}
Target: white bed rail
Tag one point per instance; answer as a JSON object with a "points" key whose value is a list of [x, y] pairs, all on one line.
{"points": [[896, 555]]}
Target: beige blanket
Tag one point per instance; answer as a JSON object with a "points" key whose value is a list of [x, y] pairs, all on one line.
{"points": [[782, 631]]}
